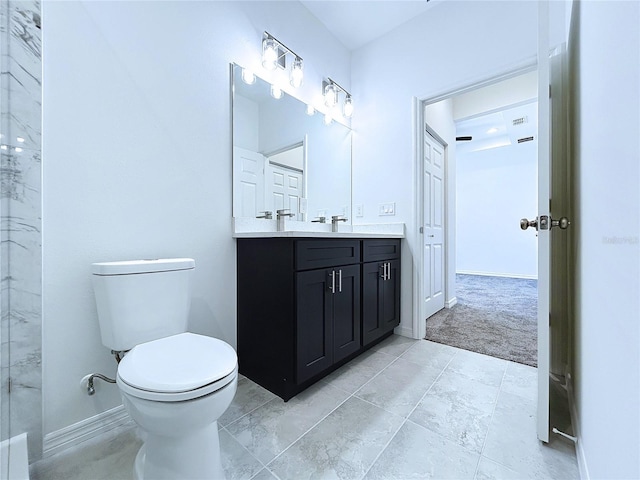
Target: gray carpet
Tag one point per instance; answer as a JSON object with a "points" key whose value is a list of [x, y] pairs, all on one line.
{"points": [[494, 315]]}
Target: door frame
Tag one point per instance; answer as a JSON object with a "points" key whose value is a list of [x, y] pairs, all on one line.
{"points": [[419, 104]]}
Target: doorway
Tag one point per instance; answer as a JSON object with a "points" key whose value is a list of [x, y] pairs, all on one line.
{"points": [[490, 133]]}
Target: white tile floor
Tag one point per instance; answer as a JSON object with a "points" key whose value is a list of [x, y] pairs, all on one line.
{"points": [[405, 409]]}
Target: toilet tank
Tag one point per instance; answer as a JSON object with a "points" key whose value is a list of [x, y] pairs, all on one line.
{"points": [[141, 300]]}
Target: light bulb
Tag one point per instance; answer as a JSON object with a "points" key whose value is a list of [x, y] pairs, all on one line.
{"points": [[348, 107], [296, 72], [310, 110], [248, 76], [330, 95], [276, 92], [328, 118], [269, 54]]}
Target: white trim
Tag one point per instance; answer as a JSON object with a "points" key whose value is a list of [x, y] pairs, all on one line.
{"points": [[405, 332], [86, 429], [14, 457], [517, 68], [451, 302], [497, 274], [580, 456]]}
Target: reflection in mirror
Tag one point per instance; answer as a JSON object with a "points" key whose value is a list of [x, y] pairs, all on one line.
{"points": [[285, 158]]}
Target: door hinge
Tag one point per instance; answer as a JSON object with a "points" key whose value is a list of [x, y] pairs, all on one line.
{"points": [[421, 229], [9, 382]]}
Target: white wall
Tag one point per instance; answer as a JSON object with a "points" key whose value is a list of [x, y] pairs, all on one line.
{"points": [[606, 106], [137, 160], [454, 44], [495, 188]]}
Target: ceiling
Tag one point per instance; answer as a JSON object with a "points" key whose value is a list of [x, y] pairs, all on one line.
{"points": [[356, 23], [497, 129]]}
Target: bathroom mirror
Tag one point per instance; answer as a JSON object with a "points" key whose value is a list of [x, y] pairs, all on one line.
{"points": [[285, 158]]}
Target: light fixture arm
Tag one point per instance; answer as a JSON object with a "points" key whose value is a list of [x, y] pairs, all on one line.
{"points": [[329, 81], [282, 49]]}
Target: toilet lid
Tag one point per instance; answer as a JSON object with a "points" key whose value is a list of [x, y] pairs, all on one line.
{"points": [[179, 363]]}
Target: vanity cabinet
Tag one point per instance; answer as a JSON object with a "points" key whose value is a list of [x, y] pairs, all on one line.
{"points": [[380, 288], [301, 304]]}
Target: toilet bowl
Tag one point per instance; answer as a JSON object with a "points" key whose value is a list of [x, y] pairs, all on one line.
{"points": [[174, 384]]}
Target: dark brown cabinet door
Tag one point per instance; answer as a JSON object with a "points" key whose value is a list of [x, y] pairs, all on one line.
{"points": [[314, 329], [389, 305], [380, 299], [346, 312]]}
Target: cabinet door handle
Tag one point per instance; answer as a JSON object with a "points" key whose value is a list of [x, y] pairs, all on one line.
{"points": [[340, 281], [388, 270], [333, 281], [383, 275]]}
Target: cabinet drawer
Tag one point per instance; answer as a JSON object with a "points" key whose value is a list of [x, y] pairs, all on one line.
{"points": [[312, 254], [380, 249]]}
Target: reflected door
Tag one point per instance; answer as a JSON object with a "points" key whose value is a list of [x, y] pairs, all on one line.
{"points": [[248, 183]]}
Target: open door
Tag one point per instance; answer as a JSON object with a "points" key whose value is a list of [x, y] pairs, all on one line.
{"points": [[554, 297]]}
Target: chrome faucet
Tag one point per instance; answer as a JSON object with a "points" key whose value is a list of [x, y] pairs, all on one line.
{"points": [[268, 214], [334, 222], [281, 215], [320, 220]]}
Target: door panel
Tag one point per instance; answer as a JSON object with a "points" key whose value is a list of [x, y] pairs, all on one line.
{"points": [[284, 189], [433, 226], [248, 183], [313, 328], [346, 312]]}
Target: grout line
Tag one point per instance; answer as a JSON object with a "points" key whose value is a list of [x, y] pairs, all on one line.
{"points": [[493, 411]]}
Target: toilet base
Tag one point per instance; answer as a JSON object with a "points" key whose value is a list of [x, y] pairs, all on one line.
{"points": [[196, 456]]}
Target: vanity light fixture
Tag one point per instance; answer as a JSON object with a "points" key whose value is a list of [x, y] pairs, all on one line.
{"points": [[331, 90], [328, 119], [310, 110], [274, 55]]}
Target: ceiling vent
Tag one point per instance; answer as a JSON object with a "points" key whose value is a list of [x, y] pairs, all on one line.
{"points": [[525, 139], [520, 121]]}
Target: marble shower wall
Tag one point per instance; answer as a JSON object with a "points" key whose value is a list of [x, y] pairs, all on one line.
{"points": [[20, 221]]}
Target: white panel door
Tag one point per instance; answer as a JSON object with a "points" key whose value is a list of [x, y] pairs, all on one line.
{"points": [[284, 189], [433, 226], [248, 183]]}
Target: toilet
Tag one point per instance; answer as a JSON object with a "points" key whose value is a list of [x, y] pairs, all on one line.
{"points": [[174, 384]]}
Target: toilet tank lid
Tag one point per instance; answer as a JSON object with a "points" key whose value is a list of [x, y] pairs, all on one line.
{"points": [[142, 266]]}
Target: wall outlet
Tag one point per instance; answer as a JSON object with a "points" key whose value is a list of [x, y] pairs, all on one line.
{"points": [[359, 210], [387, 209], [345, 211], [303, 205]]}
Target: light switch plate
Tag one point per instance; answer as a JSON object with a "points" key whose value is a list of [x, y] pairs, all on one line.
{"points": [[387, 209], [303, 205]]}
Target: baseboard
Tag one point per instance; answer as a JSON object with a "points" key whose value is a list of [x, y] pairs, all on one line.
{"points": [[91, 427], [451, 302], [404, 331], [497, 274], [580, 457]]}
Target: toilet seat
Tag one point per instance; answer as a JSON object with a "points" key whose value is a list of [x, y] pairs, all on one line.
{"points": [[177, 368]]}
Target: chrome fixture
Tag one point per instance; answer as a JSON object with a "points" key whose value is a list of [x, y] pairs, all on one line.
{"points": [[330, 91], [281, 215], [334, 222], [320, 220], [274, 55], [268, 214]]}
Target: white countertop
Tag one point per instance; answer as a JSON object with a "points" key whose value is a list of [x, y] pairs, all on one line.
{"points": [[262, 228]]}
